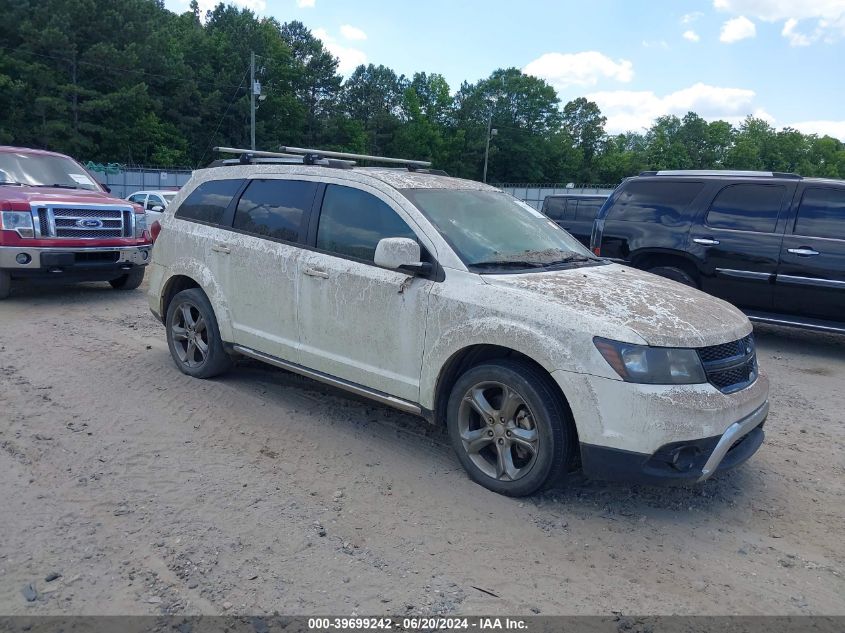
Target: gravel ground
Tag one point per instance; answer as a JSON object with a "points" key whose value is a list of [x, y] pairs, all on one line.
{"points": [[143, 491]]}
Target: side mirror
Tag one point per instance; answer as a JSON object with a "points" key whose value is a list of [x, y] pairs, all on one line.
{"points": [[158, 208], [400, 253], [105, 187]]}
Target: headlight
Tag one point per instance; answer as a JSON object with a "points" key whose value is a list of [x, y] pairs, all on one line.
{"points": [[140, 224], [20, 221], [652, 365]]}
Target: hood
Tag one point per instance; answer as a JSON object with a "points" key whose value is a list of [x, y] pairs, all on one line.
{"points": [[25, 195], [664, 313]]}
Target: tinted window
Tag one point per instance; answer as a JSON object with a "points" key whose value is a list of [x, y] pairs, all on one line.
{"points": [[822, 213], [555, 208], [650, 201], [275, 208], [588, 209], [746, 208], [208, 201], [353, 221]]}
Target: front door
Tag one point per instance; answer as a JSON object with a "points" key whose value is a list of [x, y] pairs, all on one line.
{"points": [[811, 275], [360, 322]]}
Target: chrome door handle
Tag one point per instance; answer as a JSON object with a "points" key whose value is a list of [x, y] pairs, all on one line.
{"points": [[704, 241], [315, 272], [221, 248], [804, 251]]}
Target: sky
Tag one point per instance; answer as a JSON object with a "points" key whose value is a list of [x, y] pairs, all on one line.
{"points": [[780, 60]]}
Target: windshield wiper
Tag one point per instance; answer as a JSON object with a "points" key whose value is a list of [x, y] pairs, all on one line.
{"points": [[507, 263], [57, 186], [12, 182]]}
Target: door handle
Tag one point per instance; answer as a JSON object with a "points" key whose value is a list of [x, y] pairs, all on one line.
{"points": [[804, 251], [705, 241], [221, 248], [315, 272]]}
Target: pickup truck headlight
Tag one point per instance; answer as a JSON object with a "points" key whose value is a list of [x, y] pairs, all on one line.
{"points": [[140, 224], [652, 365], [19, 221]]}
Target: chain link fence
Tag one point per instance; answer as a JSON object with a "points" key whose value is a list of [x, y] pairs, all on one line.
{"points": [[124, 181], [535, 193]]}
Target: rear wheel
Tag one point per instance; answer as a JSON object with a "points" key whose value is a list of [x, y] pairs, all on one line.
{"points": [[5, 284], [130, 280], [193, 336], [509, 428], [675, 274]]}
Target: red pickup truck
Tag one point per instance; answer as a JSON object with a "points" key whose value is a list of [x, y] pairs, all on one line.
{"points": [[57, 222]]}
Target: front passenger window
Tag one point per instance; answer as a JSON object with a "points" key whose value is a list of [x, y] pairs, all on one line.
{"points": [[353, 221]]}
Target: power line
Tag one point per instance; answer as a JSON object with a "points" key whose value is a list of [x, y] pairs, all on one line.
{"points": [[217, 129]]}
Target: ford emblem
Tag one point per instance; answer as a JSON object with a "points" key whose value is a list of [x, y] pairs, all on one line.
{"points": [[88, 223]]}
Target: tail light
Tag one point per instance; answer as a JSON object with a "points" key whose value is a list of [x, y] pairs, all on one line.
{"points": [[155, 229], [597, 251]]}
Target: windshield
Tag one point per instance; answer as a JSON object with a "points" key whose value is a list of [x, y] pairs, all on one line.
{"points": [[492, 231], [43, 170]]}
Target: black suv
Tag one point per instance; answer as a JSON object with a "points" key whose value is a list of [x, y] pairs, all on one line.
{"points": [[575, 213], [773, 244]]}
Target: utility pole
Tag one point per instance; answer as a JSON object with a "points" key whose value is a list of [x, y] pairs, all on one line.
{"points": [[252, 98], [490, 134]]}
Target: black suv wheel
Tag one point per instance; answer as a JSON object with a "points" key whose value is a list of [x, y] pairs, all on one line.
{"points": [[193, 336]]}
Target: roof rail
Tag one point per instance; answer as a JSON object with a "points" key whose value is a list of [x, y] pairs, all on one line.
{"points": [[309, 156], [721, 172]]}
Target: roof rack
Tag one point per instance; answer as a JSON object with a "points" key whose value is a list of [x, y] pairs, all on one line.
{"points": [[721, 172], [318, 156]]}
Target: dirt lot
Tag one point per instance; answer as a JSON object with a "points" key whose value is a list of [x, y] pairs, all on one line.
{"points": [[150, 492]]}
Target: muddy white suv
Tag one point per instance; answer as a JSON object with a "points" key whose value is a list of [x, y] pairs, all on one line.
{"points": [[450, 299]]}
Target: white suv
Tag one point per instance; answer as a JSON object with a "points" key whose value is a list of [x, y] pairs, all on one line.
{"points": [[450, 299]]}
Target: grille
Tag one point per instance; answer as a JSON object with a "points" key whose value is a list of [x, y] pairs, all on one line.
{"points": [[64, 221], [730, 366]]}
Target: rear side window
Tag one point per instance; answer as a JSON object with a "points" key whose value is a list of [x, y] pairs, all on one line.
{"points": [[275, 208], [555, 208], [651, 201], [587, 210], [353, 221], [822, 213], [747, 207], [208, 201]]}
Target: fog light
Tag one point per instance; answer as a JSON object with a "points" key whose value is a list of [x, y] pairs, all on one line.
{"points": [[23, 258], [145, 255]]}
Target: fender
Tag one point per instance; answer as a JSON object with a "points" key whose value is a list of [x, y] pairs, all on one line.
{"points": [[200, 273]]}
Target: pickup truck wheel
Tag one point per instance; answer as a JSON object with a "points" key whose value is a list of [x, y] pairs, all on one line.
{"points": [[130, 280], [193, 336], [675, 274], [509, 428], [5, 284]]}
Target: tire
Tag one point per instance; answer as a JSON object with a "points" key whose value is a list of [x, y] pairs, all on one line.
{"points": [[190, 319], [675, 274], [534, 416], [5, 284], [130, 280]]}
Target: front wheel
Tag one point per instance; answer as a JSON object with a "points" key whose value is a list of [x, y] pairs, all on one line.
{"points": [[509, 427], [193, 336], [130, 280]]}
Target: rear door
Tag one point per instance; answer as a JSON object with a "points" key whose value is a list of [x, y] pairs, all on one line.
{"points": [[584, 214], [738, 241], [360, 322], [811, 274], [263, 251]]}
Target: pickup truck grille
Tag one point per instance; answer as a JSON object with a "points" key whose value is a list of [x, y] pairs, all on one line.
{"points": [[730, 366], [83, 221]]}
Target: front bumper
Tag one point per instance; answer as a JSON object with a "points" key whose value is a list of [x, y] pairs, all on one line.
{"points": [[681, 462], [57, 260]]}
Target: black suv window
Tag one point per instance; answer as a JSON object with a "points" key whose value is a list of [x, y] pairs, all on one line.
{"points": [[555, 208], [747, 207], [275, 208], [353, 221], [208, 201], [652, 201], [588, 209], [822, 213]]}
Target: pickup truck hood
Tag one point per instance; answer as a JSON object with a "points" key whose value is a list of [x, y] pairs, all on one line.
{"points": [[664, 313], [25, 195]]}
